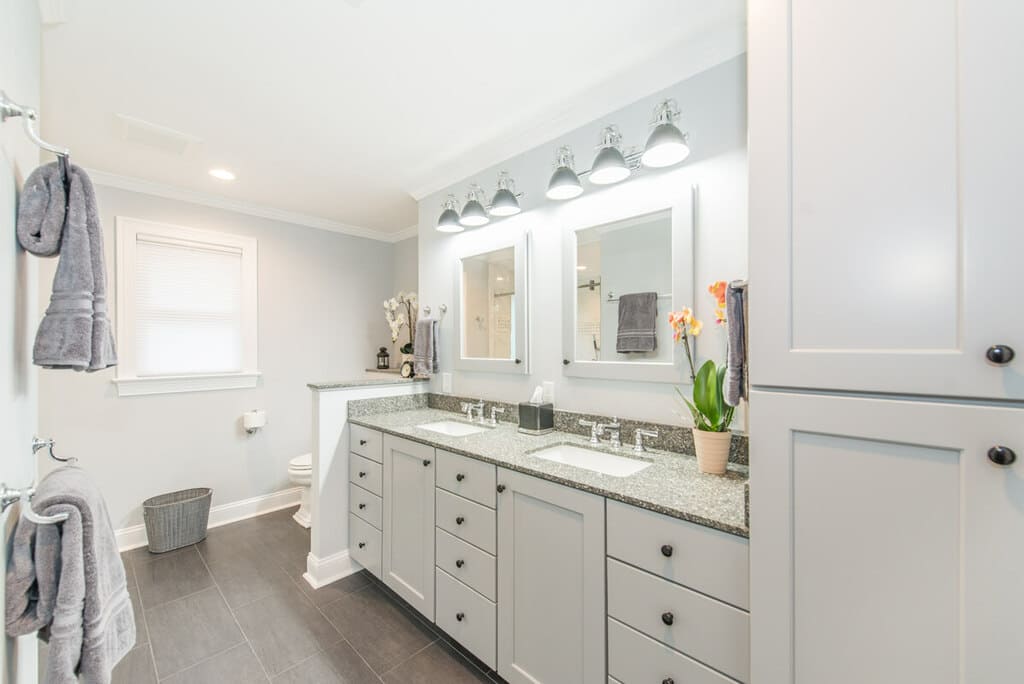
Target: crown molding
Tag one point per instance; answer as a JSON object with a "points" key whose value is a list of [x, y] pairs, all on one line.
{"points": [[406, 233], [720, 44], [112, 180]]}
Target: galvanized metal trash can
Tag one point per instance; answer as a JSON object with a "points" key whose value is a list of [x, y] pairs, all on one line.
{"points": [[177, 519]]}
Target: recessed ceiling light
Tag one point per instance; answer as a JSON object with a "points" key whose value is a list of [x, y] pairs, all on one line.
{"points": [[222, 174]]}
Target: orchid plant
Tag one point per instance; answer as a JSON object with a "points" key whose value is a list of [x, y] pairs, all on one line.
{"points": [[707, 402], [401, 311]]}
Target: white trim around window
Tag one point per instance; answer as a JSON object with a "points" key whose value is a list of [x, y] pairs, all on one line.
{"points": [[132, 378]]}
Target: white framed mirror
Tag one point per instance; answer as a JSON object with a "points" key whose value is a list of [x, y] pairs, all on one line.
{"points": [[492, 309], [618, 274]]}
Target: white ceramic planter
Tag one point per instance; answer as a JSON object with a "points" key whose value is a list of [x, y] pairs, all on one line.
{"points": [[712, 451]]}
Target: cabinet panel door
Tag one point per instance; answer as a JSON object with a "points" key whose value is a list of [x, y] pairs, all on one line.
{"points": [[884, 195], [885, 545], [409, 522], [551, 583]]}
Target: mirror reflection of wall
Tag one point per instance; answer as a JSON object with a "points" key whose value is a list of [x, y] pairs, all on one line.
{"points": [[488, 305], [626, 257]]}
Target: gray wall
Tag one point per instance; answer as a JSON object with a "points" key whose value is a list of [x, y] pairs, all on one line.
{"points": [[406, 266], [319, 319]]}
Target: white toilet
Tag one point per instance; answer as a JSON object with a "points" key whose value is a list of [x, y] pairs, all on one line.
{"points": [[300, 472]]}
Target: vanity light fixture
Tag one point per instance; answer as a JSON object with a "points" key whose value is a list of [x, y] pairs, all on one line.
{"points": [[667, 144], [505, 202], [473, 213], [609, 165], [449, 219], [564, 183]]}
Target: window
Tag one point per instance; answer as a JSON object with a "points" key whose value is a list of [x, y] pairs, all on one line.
{"points": [[186, 309]]}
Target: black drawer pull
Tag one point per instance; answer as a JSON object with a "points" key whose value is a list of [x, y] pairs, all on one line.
{"points": [[362, 442], [362, 506], [459, 563], [460, 616], [460, 477], [666, 550], [459, 520], [1001, 455], [668, 618], [501, 488], [362, 473], [362, 544], [426, 462], [1000, 354]]}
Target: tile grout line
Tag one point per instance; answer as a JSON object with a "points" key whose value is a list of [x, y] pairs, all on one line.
{"points": [[145, 622], [343, 637]]}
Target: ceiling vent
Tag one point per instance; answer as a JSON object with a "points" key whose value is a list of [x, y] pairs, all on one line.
{"points": [[154, 136]]}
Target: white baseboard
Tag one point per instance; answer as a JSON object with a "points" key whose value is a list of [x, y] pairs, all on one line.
{"points": [[322, 571], [135, 536]]}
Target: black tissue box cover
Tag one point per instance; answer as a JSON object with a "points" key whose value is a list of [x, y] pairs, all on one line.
{"points": [[536, 417]]}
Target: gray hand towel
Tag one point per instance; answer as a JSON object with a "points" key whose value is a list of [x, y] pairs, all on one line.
{"points": [[75, 332], [67, 579], [424, 348], [736, 356], [638, 314]]}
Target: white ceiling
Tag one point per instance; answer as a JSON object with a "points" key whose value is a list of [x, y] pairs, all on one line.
{"points": [[349, 111]]}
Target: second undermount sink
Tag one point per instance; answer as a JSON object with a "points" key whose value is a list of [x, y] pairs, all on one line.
{"points": [[453, 428], [590, 459]]}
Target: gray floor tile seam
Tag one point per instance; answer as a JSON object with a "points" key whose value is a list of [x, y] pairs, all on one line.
{"points": [[146, 609], [203, 660], [344, 638], [382, 675], [234, 618]]}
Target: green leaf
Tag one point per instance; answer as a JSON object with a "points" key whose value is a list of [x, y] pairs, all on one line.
{"points": [[707, 394]]}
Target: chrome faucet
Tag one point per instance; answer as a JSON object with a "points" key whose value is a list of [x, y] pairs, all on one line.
{"points": [[470, 409], [614, 430], [495, 410], [638, 439], [595, 430]]}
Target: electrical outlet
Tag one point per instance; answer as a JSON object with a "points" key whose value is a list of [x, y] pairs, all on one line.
{"points": [[549, 392], [446, 383]]}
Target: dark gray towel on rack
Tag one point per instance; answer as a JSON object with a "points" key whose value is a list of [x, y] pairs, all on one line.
{"points": [[736, 355], [425, 347], [68, 580], [75, 332], [638, 315]]}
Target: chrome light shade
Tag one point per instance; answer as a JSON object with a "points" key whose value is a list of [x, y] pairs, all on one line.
{"points": [[609, 165], [449, 220], [473, 213], [505, 202], [667, 144], [564, 183]]}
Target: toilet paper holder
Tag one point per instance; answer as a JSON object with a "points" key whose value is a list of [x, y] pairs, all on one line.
{"points": [[254, 420]]}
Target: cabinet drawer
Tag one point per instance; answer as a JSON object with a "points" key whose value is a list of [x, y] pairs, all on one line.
{"points": [[365, 504], [364, 543], [366, 442], [468, 564], [468, 618], [633, 657], [710, 561], [706, 629], [467, 520], [365, 473], [467, 477]]}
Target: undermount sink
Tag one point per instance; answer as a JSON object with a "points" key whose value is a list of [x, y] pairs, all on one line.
{"points": [[589, 459], [453, 428]]}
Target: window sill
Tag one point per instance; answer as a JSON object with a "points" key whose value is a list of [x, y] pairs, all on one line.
{"points": [[173, 384]]}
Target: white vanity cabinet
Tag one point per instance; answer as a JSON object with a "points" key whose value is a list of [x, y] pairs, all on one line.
{"points": [[408, 553], [364, 496], [551, 582]]}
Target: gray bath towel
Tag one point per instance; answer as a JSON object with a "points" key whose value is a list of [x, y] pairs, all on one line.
{"points": [[736, 355], [67, 579], [638, 314], [75, 332], [424, 350]]}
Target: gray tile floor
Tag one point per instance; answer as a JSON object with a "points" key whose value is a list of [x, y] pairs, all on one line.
{"points": [[235, 609]]}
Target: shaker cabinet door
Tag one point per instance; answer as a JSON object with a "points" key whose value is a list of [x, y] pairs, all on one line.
{"points": [[886, 541], [885, 200]]}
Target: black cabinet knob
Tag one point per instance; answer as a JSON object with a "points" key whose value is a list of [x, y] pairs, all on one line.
{"points": [[362, 473], [460, 616], [565, 362], [1001, 455], [459, 520], [362, 506], [666, 550], [362, 544], [459, 477], [518, 361], [426, 462], [668, 680], [362, 442], [459, 563], [501, 488], [668, 618], [1000, 354]]}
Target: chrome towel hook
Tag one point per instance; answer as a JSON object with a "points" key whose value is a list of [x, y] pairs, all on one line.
{"points": [[9, 497], [38, 443]]}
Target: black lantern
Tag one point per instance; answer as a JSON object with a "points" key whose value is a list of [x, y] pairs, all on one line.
{"points": [[383, 359]]}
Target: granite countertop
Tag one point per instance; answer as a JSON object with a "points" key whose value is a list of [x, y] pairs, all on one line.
{"points": [[382, 379], [672, 485]]}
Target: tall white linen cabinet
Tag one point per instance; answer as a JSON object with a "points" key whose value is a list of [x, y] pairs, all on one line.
{"points": [[887, 418]]}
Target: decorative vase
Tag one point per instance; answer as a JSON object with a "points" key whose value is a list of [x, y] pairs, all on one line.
{"points": [[712, 450]]}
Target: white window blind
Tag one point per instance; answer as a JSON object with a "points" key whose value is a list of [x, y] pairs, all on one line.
{"points": [[188, 308]]}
